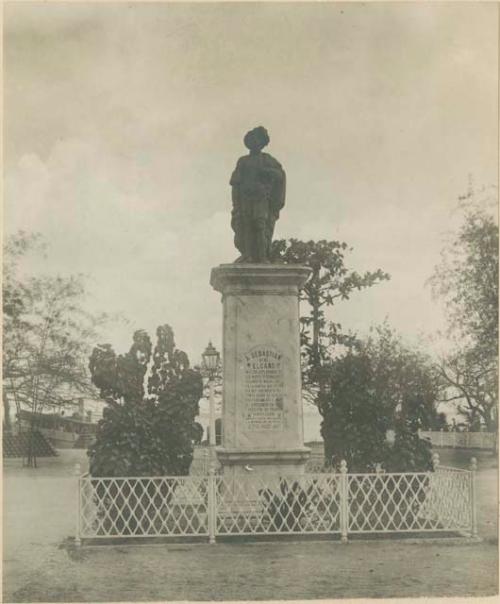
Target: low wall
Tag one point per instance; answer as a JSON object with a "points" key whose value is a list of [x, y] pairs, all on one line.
{"points": [[461, 440]]}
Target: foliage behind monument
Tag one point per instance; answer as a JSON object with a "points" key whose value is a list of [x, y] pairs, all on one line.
{"points": [[380, 384], [146, 430], [329, 282], [376, 385]]}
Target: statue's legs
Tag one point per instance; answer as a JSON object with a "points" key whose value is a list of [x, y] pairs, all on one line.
{"points": [[253, 231], [261, 241], [269, 233], [247, 237], [237, 226]]}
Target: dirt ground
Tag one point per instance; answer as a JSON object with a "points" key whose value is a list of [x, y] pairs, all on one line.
{"points": [[40, 563]]}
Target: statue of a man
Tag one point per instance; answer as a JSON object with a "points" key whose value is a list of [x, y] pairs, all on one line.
{"points": [[258, 191]]}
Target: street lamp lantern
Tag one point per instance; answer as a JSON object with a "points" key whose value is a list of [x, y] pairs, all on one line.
{"points": [[211, 358]]}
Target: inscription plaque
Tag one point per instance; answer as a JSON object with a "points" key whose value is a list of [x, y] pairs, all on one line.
{"points": [[264, 389]]}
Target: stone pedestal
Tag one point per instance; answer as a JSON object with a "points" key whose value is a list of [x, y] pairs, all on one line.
{"points": [[262, 400]]}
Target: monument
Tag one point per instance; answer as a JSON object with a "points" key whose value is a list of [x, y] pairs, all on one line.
{"points": [[258, 192], [262, 401]]}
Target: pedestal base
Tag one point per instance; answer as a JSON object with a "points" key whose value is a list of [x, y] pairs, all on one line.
{"points": [[249, 474], [264, 462]]}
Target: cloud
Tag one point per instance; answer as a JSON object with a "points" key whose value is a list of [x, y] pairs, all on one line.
{"points": [[153, 270], [124, 122]]}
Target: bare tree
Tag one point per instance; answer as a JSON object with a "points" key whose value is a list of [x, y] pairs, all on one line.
{"points": [[467, 280], [47, 338]]}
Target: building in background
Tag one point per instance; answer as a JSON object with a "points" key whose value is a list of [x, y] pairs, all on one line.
{"points": [[72, 426]]}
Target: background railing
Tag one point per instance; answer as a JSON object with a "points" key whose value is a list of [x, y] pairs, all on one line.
{"points": [[319, 503], [465, 440]]}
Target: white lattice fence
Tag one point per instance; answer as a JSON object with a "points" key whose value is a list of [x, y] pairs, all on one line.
{"points": [[410, 502], [265, 505], [321, 503], [143, 507], [449, 503]]}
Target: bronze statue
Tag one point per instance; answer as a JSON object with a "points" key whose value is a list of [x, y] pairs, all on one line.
{"points": [[258, 191]]}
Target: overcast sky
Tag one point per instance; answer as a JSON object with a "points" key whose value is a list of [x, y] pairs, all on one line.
{"points": [[123, 123]]}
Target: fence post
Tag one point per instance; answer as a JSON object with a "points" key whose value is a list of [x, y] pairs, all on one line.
{"points": [[441, 440], [473, 498], [77, 473], [212, 504], [344, 501], [435, 461]]}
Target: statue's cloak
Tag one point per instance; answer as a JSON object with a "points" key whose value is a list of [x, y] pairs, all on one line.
{"points": [[276, 189]]}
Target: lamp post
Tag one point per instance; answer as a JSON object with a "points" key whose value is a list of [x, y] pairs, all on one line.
{"points": [[325, 382], [325, 379], [211, 363]]}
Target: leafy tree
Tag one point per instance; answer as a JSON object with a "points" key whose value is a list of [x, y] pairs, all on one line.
{"points": [[354, 420], [330, 281], [148, 427], [379, 384], [47, 336], [467, 280]]}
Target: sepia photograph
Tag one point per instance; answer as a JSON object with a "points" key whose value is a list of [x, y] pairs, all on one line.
{"points": [[250, 301]]}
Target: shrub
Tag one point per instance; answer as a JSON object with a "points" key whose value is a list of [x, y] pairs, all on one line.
{"points": [[145, 431]]}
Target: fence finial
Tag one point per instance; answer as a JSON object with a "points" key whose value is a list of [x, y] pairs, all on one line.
{"points": [[435, 460], [473, 464], [78, 469], [343, 466]]}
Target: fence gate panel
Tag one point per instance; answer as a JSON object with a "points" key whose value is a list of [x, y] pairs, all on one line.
{"points": [[450, 499], [278, 505], [388, 503], [409, 502], [143, 507]]}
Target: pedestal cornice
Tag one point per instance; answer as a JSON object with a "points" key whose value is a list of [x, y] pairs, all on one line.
{"points": [[258, 279]]}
